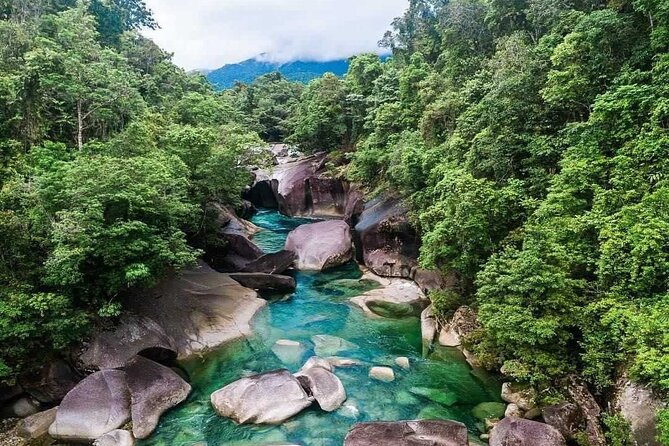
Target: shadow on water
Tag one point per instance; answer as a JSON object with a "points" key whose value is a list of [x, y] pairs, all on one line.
{"points": [[444, 387]]}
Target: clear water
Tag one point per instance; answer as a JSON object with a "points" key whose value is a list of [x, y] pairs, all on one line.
{"points": [[320, 306]]}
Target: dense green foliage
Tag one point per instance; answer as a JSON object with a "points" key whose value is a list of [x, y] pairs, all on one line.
{"points": [[530, 139], [108, 155]]}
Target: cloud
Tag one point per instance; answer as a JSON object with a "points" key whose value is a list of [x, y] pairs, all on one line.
{"points": [[211, 33]]}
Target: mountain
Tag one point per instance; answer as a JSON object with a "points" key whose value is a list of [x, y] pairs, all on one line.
{"points": [[249, 70]]}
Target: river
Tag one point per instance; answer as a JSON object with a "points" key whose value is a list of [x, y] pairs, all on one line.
{"points": [[320, 306]]}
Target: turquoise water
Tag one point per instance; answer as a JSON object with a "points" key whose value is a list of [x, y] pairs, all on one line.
{"points": [[440, 387]]}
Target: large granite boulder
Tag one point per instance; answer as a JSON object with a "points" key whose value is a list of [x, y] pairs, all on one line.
{"points": [[322, 245], [408, 433], [301, 187], [639, 405], [265, 282], [233, 248], [395, 298], [385, 240], [523, 396], [97, 405], [53, 381], [189, 313], [323, 385], [154, 389], [274, 263], [522, 432], [268, 398]]}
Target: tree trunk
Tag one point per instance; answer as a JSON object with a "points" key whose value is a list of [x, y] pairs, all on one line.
{"points": [[80, 126]]}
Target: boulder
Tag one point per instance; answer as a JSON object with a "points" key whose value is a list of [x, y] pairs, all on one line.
{"points": [[117, 437], [315, 361], [579, 394], [20, 408], [512, 410], [428, 328], [408, 433], [275, 263], [322, 245], [403, 362], [385, 374], [233, 248], [324, 386], [268, 398], [327, 345], [463, 323], [639, 405], [395, 298], [522, 432], [489, 411], [36, 426], [154, 389], [565, 417], [431, 280], [188, 313], [97, 405], [385, 239], [265, 282], [54, 380], [260, 193], [521, 395], [339, 362], [8, 393], [302, 188]]}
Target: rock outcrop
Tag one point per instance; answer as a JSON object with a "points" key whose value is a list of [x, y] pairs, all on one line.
{"points": [[97, 405], [274, 263], [521, 395], [188, 314], [265, 282], [408, 433], [395, 298], [522, 432], [322, 245], [268, 398], [462, 324], [566, 418], [385, 240], [638, 404], [154, 389], [428, 328]]}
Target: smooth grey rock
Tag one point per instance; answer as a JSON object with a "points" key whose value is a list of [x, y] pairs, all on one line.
{"points": [[265, 282], [116, 438], [522, 432], [20, 408], [315, 361], [385, 374], [395, 298], [189, 313], [408, 433], [97, 405], [322, 245], [36, 426], [639, 405], [324, 386], [274, 263], [154, 389], [403, 362], [289, 352], [268, 398]]}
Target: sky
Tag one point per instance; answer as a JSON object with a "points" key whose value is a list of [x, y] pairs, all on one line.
{"points": [[207, 34]]}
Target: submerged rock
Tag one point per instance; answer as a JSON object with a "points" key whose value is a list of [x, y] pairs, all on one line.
{"points": [[385, 238], [322, 245], [489, 411], [521, 432], [395, 298], [289, 352], [327, 345], [97, 405], [324, 386], [268, 398], [154, 389], [188, 313], [408, 433]]}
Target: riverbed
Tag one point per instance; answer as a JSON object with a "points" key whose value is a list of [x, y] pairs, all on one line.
{"points": [[442, 386]]}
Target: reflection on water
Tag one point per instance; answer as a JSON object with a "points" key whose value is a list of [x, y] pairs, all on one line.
{"points": [[443, 387]]}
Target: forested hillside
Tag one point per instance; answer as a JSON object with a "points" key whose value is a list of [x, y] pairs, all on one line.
{"points": [[530, 139], [108, 153]]}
